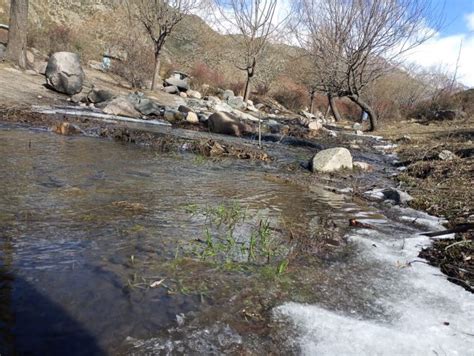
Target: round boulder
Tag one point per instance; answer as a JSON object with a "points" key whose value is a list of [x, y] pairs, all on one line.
{"points": [[331, 160], [224, 123], [64, 73]]}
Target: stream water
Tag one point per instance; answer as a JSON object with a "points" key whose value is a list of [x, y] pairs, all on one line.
{"points": [[87, 225]]}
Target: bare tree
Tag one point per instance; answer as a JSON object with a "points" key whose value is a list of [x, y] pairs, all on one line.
{"points": [[159, 18], [255, 22], [354, 42], [18, 30]]}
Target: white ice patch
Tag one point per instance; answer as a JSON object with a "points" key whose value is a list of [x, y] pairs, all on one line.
{"points": [[328, 333], [419, 312], [386, 147]]}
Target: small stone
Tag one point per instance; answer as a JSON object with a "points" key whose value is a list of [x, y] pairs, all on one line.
{"points": [[315, 125], [194, 94], [66, 128], [192, 118], [446, 155], [362, 165]]}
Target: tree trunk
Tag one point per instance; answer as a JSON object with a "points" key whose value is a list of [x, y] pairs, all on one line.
{"points": [[16, 48], [311, 104], [365, 107], [332, 105], [156, 72], [247, 87]]}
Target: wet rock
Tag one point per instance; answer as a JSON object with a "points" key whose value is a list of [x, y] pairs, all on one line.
{"points": [[192, 118], [390, 194], [224, 123], [331, 160], [446, 155], [121, 106], [66, 128], [64, 73], [362, 165], [99, 96], [396, 195]]}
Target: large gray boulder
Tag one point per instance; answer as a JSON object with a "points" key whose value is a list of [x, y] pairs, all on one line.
{"points": [[121, 106], [331, 160], [145, 105], [64, 73], [181, 84], [224, 123]]}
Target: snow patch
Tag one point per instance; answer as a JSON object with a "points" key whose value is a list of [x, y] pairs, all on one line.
{"points": [[428, 314]]}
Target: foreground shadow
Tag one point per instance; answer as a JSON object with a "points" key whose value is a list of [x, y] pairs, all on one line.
{"points": [[31, 324]]}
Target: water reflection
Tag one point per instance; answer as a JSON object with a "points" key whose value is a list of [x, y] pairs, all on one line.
{"points": [[70, 247]]}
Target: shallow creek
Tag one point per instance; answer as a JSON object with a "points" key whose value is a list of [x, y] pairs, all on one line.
{"points": [[87, 226]]}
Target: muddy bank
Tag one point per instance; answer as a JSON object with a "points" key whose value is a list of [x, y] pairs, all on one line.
{"points": [[438, 166], [159, 141]]}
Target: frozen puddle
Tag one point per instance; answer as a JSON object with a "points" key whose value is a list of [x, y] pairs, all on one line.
{"points": [[427, 314]]}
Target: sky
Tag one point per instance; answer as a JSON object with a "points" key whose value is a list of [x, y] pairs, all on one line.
{"points": [[443, 48]]}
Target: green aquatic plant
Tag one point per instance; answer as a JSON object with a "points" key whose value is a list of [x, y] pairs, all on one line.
{"points": [[224, 247]]}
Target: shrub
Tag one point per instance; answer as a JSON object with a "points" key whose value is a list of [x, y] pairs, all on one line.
{"points": [[291, 95], [201, 74], [54, 38], [137, 64], [237, 87]]}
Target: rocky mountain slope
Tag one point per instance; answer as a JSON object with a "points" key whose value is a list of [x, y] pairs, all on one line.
{"points": [[99, 24]]}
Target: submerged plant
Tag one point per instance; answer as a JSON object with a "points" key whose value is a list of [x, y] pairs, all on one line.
{"points": [[223, 246]]}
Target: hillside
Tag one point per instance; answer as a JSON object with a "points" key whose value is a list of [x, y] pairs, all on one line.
{"points": [[93, 26]]}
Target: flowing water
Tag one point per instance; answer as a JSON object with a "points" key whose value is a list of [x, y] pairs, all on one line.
{"points": [[87, 225]]}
